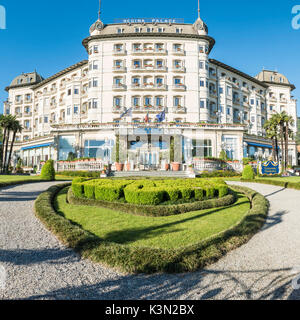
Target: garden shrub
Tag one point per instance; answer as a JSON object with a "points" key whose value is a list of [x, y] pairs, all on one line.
{"points": [[199, 194], [248, 173], [222, 191], [186, 193], [172, 194], [109, 193], [78, 187], [89, 189], [48, 172]]}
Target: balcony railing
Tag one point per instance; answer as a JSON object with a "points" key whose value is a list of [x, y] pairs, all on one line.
{"points": [[27, 114], [149, 86], [119, 52], [150, 109], [18, 101], [118, 109], [179, 51], [119, 69], [179, 87], [179, 109], [178, 68], [148, 68], [119, 87]]}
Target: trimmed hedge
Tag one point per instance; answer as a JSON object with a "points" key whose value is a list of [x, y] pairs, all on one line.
{"points": [[149, 192], [48, 172], [248, 173], [219, 173], [155, 210], [151, 260]]}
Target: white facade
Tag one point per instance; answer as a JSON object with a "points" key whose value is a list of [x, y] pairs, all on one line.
{"points": [[150, 68]]}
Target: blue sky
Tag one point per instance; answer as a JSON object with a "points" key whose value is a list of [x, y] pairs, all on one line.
{"points": [[47, 35]]}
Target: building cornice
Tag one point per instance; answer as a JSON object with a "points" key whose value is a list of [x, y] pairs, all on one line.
{"points": [[269, 83], [29, 85], [142, 35], [61, 73], [240, 73]]}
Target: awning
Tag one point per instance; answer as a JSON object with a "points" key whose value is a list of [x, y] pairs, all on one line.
{"points": [[254, 144], [37, 146]]}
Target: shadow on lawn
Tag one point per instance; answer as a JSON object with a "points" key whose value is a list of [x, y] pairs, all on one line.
{"points": [[130, 235]]}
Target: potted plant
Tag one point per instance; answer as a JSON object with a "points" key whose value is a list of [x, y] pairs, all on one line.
{"points": [[119, 166], [175, 165], [191, 168]]}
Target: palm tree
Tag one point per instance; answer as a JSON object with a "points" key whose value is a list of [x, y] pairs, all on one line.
{"points": [[16, 127], [271, 131], [6, 123], [271, 127]]}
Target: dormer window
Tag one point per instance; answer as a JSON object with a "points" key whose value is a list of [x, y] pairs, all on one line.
{"points": [[120, 30], [149, 29], [137, 30], [178, 30], [160, 30]]}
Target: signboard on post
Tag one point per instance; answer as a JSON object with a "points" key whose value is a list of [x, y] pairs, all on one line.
{"points": [[269, 167]]}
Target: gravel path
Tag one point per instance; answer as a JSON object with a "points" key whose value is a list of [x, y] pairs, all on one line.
{"points": [[38, 267]]}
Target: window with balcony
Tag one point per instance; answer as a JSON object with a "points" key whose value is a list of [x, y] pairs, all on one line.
{"points": [[136, 101], [177, 101], [137, 64], [95, 82], [137, 47], [136, 81], [95, 65], [159, 101], [117, 101], [159, 81], [27, 97], [159, 64], [118, 48], [201, 65], [148, 101], [177, 47], [202, 104], [76, 108], [96, 49]]}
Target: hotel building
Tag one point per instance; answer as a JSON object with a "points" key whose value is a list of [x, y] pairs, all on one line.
{"points": [[146, 67]]}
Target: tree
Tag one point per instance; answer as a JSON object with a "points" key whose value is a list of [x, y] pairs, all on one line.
{"points": [[271, 128], [16, 127], [9, 124]]}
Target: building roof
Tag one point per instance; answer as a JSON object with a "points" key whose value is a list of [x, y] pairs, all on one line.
{"points": [[274, 77], [25, 79], [240, 73], [198, 30], [61, 73]]}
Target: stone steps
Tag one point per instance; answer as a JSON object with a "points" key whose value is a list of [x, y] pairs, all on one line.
{"points": [[156, 174]]}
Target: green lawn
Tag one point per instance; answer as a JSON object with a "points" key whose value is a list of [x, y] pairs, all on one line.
{"points": [[156, 232]]}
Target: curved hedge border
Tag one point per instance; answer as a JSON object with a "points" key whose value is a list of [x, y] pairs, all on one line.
{"points": [[154, 211], [151, 260], [284, 184]]}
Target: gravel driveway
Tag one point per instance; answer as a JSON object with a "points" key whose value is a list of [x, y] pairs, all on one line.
{"points": [[37, 266]]}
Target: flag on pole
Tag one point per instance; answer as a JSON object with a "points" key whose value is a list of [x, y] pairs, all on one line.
{"points": [[127, 112], [147, 117], [161, 116]]}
